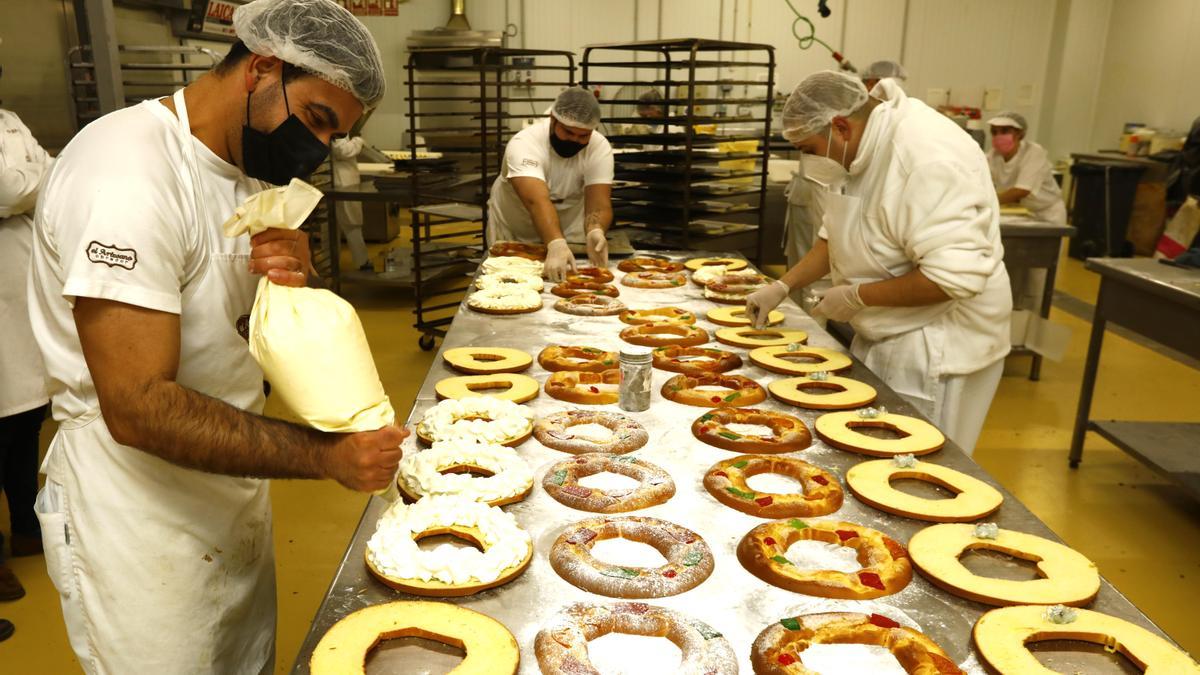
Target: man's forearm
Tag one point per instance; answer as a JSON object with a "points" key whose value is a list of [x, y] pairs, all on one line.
{"points": [[813, 266], [913, 289], [1012, 195], [190, 429], [545, 220], [600, 217]]}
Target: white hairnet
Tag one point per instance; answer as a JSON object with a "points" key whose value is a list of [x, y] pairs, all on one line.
{"points": [[1009, 119], [882, 69], [818, 99], [320, 36], [576, 107]]}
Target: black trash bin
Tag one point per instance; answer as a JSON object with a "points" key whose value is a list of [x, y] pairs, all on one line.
{"points": [[1100, 210]]}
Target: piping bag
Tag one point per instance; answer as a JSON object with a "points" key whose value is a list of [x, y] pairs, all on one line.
{"points": [[309, 342]]}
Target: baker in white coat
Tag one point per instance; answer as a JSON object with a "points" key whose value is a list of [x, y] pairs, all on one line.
{"points": [[913, 244], [155, 516], [1022, 174], [344, 153], [555, 185], [23, 396]]}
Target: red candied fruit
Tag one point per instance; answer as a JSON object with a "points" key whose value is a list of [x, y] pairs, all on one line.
{"points": [[882, 621], [670, 574], [768, 541], [820, 480], [846, 535], [716, 399], [721, 473], [594, 390], [786, 659], [764, 501], [871, 579]]}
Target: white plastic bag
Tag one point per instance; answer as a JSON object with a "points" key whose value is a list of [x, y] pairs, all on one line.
{"points": [[309, 342]]}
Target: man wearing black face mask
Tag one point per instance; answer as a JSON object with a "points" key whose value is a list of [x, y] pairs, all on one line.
{"points": [[555, 185], [155, 513]]}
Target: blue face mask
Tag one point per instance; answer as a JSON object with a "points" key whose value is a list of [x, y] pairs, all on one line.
{"points": [[289, 151]]}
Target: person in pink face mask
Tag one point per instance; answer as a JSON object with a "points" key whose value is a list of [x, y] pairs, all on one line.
{"points": [[1022, 174]]}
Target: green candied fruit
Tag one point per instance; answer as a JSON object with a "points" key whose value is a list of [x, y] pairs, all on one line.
{"points": [[798, 524], [625, 458], [621, 573], [591, 350], [739, 493], [692, 558], [730, 435], [781, 560], [607, 362], [731, 397], [790, 623], [742, 464], [707, 632], [559, 477], [706, 417]]}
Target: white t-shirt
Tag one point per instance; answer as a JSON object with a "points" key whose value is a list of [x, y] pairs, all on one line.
{"points": [[1030, 170], [119, 220], [22, 164], [530, 155]]}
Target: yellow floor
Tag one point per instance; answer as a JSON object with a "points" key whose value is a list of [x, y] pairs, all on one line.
{"points": [[1141, 530]]}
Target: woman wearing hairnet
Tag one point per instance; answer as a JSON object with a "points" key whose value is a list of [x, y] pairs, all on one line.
{"points": [[911, 235], [555, 185], [879, 70], [156, 520], [1022, 175]]}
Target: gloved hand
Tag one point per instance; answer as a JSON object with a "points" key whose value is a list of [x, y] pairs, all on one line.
{"points": [[760, 303], [559, 260], [597, 248], [839, 303]]}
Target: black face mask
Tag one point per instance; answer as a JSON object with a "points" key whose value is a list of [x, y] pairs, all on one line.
{"points": [[564, 148], [290, 151]]}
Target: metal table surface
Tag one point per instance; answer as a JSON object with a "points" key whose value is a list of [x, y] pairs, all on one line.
{"points": [[732, 600], [1162, 303], [1033, 244]]}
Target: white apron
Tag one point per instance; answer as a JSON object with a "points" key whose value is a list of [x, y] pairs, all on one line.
{"points": [[163, 569], [905, 350]]}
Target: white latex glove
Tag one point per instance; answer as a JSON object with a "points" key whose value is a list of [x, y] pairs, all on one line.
{"points": [[597, 248], [839, 303], [559, 260], [760, 303]]}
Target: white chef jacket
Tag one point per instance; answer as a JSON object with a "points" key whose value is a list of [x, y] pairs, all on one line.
{"points": [[530, 155], [926, 201], [159, 568], [1030, 170], [22, 164]]}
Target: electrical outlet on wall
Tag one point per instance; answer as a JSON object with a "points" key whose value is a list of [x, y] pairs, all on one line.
{"points": [[993, 98]]}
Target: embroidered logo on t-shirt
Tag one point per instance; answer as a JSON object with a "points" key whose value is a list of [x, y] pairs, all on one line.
{"points": [[529, 162], [112, 256]]}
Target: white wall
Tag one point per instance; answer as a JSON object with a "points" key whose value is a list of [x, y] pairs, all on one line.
{"points": [[1070, 106], [1150, 70]]}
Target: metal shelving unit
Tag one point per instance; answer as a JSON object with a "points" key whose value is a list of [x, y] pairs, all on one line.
{"points": [[147, 72], [678, 185], [464, 104]]}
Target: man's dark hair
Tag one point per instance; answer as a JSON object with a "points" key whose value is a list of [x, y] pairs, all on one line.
{"points": [[240, 52]]}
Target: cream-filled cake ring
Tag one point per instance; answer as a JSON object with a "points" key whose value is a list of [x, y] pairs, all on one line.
{"points": [[479, 418], [481, 472], [393, 556]]}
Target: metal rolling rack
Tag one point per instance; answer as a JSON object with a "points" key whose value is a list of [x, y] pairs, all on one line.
{"points": [[460, 105], [669, 180], [155, 73]]}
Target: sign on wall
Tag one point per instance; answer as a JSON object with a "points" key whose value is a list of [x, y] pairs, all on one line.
{"points": [[213, 17], [372, 7]]}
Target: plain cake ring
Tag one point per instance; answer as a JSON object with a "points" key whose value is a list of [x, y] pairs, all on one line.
{"points": [[871, 483], [846, 393], [918, 436]]}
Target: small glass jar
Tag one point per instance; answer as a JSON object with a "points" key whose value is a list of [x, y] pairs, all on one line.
{"points": [[636, 369]]}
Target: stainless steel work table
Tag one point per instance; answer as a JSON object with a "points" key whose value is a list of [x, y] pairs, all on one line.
{"points": [[1033, 244], [732, 600], [1162, 303]]}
